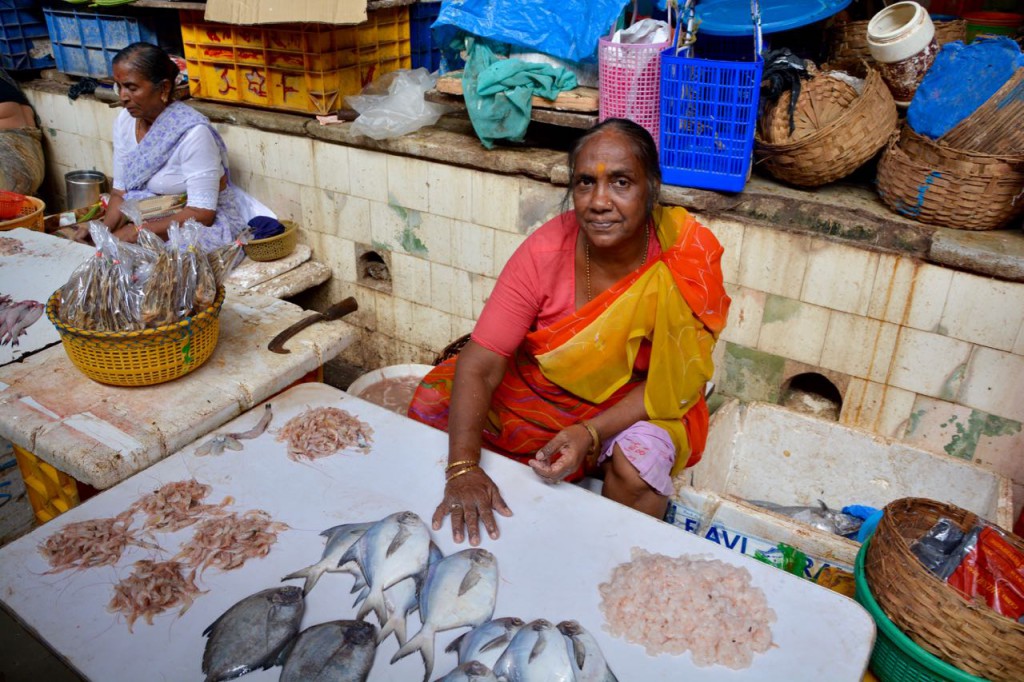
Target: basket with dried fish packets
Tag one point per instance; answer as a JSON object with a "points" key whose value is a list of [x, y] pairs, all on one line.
{"points": [[139, 314]]}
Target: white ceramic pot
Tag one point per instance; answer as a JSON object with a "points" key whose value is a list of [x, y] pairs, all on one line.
{"points": [[901, 38], [899, 31]]}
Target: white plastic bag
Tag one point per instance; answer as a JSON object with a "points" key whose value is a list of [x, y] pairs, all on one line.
{"points": [[401, 110]]}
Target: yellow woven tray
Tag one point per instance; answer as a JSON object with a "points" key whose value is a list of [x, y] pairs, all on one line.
{"points": [[273, 248], [140, 358]]}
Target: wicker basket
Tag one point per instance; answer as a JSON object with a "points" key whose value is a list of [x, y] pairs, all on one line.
{"points": [[30, 216], [972, 637], [836, 132], [140, 358], [994, 127], [936, 184], [849, 39], [273, 248]]}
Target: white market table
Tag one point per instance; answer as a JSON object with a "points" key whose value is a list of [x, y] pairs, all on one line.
{"points": [[32, 266], [562, 542], [100, 435]]}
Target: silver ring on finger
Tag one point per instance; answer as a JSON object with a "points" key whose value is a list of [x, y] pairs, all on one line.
{"points": [[455, 506]]}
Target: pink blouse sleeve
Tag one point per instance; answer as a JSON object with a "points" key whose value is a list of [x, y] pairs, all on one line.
{"points": [[512, 308]]}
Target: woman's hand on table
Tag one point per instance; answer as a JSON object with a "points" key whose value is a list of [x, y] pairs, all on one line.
{"points": [[128, 233], [470, 499], [571, 445]]}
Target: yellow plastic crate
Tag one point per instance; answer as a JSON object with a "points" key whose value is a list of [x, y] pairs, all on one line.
{"points": [[307, 68], [50, 492]]}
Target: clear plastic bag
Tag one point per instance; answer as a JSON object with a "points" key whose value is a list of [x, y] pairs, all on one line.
{"points": [[226, 258], [393, 105]]}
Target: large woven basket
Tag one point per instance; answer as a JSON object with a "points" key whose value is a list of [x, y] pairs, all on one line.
{"points": [[849, 39], [140, 358], [970, 636], [276, 247], [936, 184], [836, 131], [29, 216]]}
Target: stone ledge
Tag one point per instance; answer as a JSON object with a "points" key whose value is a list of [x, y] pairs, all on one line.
{"points": [[849, 213]]}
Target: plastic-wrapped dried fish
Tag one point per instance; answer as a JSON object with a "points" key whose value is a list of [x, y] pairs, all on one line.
{"points": [[226, 258]]}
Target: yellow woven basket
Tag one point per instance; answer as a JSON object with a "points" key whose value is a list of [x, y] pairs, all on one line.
{"points": [[140, 358], [276, 247]]}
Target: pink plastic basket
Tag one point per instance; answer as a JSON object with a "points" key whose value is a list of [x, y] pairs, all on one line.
{"points": [[631, 82]]}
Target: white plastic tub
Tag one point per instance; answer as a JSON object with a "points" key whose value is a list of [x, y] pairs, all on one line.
{"points": [[361, 386], [758, 451]]}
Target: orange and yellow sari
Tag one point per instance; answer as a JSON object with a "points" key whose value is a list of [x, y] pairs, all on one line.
{"points": [[584, 363]]}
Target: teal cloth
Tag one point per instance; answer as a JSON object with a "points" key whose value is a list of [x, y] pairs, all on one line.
{"points": [[498, 91]]}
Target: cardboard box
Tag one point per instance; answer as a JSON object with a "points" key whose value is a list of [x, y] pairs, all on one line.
{"points": [[758, 451], [247, 12]]}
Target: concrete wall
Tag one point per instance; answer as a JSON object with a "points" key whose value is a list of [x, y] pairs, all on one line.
{"points": [[923, 353]]}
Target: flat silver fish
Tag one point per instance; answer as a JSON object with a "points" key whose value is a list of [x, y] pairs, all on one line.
{"points": [[473, 671], [337, 651], [216, 445], [30, 312], [339, 540], [403, 598], [486, 642], [252, 633], [585, 656], [393, 549], [820, 517], [536, 654], [459, 590]]}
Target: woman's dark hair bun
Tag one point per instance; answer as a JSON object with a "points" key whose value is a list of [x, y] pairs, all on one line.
{"points": [[150, 60]]}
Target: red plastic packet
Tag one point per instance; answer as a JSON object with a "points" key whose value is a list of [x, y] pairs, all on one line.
{"points": [[993, 570]]}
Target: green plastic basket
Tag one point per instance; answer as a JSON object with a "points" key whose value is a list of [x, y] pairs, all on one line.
{"points": [[896, 657]]}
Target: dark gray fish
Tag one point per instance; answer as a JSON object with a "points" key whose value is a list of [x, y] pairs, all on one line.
{"points": [[585, 656], [339, 540], [459, 590], [473, 671], [393, 549], [487, 642], [820, 517], [252, 633], [536, 654], [403, 598], [337, 651]]}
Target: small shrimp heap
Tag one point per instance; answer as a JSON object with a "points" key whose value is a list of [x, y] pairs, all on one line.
{"points": [[669, 605], [152, 588], [90, 543], [228, 541], [322, 431], [176, 505]]}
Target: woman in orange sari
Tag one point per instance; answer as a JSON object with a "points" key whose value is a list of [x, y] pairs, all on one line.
{"points": [[593, 351]]}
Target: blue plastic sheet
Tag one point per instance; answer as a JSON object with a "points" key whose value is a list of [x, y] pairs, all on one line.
{"points": [[960, 80], [568, 29]]}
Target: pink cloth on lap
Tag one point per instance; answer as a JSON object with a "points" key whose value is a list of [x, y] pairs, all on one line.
{"points": [[649, 448]]}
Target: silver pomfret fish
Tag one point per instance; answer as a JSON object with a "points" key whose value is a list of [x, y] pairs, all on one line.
{"points": [[337, 651], [459, 590], [394, 548], [339, 540], [473, 671], [485, 643], [252, 633], [403, 598], [585, 655], [536, 654]]}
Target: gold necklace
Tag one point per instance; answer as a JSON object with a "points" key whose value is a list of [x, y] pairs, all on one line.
{"points": [[586, 257]]}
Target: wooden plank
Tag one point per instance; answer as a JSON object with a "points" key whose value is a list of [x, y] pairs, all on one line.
{"points": [[578, 99], [565, 119]]}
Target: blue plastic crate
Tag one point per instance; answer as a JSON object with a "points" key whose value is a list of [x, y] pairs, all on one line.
{"points": [[85, 42], [24, 42], [424, 52], [708, 116]]}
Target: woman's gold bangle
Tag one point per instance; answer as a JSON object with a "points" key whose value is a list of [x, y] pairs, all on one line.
{"points": [[460, 463], [451, 478], [596, 444]]}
